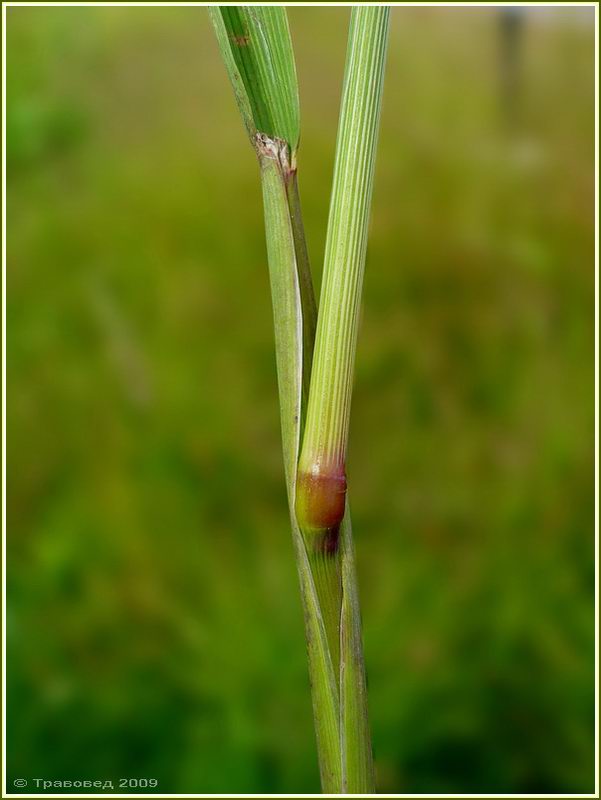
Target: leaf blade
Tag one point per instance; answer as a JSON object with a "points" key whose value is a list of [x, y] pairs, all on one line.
{"points": [[257, 49]]}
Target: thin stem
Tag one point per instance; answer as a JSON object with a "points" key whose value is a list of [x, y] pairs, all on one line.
{"points": [[321, 507], [294, 324], [307, 294], [357, 758], [257, 51], [325, 440]]}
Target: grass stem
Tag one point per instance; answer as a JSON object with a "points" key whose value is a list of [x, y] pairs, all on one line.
{"points": [[315, 352], [323, 454]]}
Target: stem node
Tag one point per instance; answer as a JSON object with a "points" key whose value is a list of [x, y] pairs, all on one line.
{"points": [[320, 505]]}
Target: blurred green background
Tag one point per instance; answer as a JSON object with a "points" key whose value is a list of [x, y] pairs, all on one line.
{"points": [[154, 624]]}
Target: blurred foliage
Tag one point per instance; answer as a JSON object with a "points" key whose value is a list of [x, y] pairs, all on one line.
{"points": [[154, 625]]}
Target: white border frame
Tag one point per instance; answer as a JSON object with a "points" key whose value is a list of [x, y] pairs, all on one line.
{"points": [[159, 794]]}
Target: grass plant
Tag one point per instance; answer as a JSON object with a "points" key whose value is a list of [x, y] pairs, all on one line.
{"points": [[315, 352]]}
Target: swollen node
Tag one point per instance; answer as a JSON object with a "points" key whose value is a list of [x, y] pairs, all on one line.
{"points": [[320, 504]]}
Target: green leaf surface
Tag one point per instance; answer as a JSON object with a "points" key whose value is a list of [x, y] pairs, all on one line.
{"points": [[256, 47]]}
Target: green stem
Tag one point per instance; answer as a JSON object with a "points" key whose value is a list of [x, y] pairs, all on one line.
{"points": [[357, 759], [307, 295], [294, 323], [321, 507], [315, 400], [326, 435]]}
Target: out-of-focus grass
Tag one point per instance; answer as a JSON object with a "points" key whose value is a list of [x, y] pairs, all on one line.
{"points": [[154, 627]]}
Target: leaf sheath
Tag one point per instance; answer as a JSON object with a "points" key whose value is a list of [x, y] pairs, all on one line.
{"points": [[287, 299]]}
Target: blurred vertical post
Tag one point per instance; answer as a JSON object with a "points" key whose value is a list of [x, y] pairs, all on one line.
{"points": [[511, 36]]}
